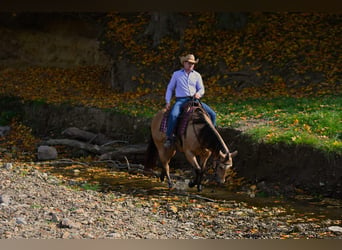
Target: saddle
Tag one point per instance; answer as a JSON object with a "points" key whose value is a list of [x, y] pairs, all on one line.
{"points": [[187, 109]]}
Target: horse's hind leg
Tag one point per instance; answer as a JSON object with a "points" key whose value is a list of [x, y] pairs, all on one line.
{"points": [[162, 175], [166, 172], [165, 157], [166, 168]]}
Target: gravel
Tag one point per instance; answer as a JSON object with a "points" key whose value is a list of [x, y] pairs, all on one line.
{"points": [[37, 205]]}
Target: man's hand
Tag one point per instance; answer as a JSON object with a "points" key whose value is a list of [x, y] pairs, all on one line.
{"points": [[167, 106], [197, 96]]}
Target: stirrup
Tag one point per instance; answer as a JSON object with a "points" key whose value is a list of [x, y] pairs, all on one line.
{"points": [[169, 142]]}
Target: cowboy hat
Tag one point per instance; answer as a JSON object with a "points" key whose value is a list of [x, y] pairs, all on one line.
{"points": [[188, 58]]}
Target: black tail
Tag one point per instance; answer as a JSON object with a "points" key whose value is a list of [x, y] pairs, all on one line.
{"points": [[151, 156]]}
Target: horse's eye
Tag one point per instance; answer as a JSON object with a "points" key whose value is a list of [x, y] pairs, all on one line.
{"points": [[226, 166]]}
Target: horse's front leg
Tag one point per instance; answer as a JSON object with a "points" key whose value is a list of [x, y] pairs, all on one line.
{"points": [[203, 163], [197, 170], [196, 175]]}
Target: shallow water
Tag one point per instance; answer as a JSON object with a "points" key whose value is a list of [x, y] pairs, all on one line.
{"points": [[105, 179]]}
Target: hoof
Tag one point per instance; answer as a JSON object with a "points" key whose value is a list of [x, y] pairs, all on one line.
{"points": [[191, 184], [170, 185]]}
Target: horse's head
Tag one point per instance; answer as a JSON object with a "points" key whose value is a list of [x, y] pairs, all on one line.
{"points": [[223, 162]]}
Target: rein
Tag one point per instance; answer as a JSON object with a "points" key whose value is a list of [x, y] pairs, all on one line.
{"points": [[192, 113], [193, 124]]}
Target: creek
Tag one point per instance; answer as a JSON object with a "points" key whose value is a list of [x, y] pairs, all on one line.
{"points": [[104, 179]]}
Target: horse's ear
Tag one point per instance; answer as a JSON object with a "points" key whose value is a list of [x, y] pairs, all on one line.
{"points": [[234, 154], [222, 155]]}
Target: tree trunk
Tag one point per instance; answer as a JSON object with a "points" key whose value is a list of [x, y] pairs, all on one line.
{"points": [[231, 20], [121, 75], [163, 24]]}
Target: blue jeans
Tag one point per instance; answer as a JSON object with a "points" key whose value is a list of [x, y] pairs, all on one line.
{"points": [[176, 110]]}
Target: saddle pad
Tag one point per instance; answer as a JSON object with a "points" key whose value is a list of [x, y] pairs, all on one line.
{"points": [[183, 123], [163, 124]]}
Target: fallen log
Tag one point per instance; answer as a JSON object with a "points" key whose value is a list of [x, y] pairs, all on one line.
{"points": [[89, 137], [130, 151], [80, 145]]}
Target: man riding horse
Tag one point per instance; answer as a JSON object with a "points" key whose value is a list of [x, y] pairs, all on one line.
{"points": [[197, 138], [187, 84]]}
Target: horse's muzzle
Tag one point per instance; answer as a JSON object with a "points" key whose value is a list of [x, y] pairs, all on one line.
{"points": [[220, 180]]}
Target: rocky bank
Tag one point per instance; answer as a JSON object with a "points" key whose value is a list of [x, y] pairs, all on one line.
{"points": [[36, 205]]}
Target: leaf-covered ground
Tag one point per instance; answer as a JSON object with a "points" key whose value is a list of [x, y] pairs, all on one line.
{"points": [[296, 42], [295, 109], [301, 106]]}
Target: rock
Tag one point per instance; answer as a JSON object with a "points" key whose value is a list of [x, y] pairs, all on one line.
{"points": [[298, 228], [8, 166], [54, 217], [20, 221], [335, 229], [4, 199], [114, 235], [4, 130], [67, 223], [182, 185], [76, 171], [65, 235], [88, 236], [47, 153]]}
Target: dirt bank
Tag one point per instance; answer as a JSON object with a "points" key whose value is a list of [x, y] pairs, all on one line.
{"points": [[275, 169], [286, 169]]}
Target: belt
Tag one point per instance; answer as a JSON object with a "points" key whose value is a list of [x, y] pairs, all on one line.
{"points": [[177, 98]]}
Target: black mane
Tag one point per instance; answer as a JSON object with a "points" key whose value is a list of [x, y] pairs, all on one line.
{"points": [[208, 135]]}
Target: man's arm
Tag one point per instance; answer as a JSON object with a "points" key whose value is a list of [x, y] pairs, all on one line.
{"points": [[170, 87]]}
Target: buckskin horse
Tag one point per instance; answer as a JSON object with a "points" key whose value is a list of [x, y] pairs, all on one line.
{"points": [[197, 138]]}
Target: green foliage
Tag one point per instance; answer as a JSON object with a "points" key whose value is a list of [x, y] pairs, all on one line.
{"points": [[315, 121], [9, 109], [89, 186], [6, 117]]}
